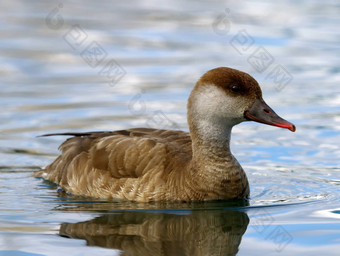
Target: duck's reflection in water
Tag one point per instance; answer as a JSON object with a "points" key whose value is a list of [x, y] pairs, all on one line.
{"points": [[211, 232]]}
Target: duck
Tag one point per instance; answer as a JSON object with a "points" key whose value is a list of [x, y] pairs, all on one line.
{"points": [[147, 164]]}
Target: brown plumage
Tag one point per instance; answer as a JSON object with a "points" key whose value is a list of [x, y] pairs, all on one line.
{"points": [[144, 164], [201, 233]]}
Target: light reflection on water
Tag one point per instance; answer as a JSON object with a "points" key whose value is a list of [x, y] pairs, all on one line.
{"points": [[46, 86]]}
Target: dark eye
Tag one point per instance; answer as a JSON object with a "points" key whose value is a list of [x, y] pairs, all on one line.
{"points": [[235, 88]]}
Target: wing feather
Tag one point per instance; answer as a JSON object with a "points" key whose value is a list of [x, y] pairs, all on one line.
{"points": [[120, 154]]}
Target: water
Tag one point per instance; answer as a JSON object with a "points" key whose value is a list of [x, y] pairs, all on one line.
{"points": [[49, 84]]}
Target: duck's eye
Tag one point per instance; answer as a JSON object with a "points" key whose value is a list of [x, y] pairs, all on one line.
{"points": [[235, 88]]}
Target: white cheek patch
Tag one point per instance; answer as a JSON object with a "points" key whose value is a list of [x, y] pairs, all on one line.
{"points": [[211, 101]]}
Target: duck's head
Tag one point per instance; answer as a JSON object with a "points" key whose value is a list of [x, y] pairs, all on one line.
{"points": [[225, 97]]}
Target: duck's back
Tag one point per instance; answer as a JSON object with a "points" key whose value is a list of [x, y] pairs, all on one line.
{"points": [[135, 164]]}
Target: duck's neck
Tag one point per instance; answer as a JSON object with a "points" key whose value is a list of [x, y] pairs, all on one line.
{"points": [[210, 118], [215, 172], [211, 143]]}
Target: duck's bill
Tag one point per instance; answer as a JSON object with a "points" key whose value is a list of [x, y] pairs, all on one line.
{"points": [[262, 113]]}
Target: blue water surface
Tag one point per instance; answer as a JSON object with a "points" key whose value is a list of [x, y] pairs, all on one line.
{"points": [[49, 84]]}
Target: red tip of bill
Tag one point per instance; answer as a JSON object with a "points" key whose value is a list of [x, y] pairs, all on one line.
{"points": [[286, 125]]}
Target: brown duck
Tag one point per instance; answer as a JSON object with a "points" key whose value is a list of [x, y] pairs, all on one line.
{"points": [[143, 164]]}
